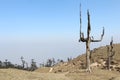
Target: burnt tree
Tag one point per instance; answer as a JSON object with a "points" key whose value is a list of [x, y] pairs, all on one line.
{"points": [[111, 53], [88, 40]]}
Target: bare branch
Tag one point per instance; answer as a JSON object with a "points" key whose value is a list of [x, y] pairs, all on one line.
{"points": [[80, 25], [111, 43], [82, 38], [80, 21], [92, 40], [81, 34], [89, 27]]}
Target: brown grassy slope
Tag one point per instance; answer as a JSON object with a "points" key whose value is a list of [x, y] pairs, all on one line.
{"points": [[97, 54], [14, 74], [43, 70], [101, 52], [97, 74]]}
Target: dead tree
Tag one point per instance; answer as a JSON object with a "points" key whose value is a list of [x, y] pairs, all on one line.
{"points": [[111, 53], [6, 63], [23, 62], [88, 40], [26, 65], [33, 65]]}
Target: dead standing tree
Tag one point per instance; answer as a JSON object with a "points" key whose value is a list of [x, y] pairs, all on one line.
{"points": [[88, 40], [111, 53], [23, 62]]}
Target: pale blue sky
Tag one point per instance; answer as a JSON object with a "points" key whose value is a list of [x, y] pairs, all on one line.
{"points": [[42, 29]]}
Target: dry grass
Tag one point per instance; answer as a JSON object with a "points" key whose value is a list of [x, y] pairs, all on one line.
{"points": [[14, 74], [97, 74]]}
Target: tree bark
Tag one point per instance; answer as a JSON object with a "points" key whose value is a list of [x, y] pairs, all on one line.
{"points": [[88, 56]]}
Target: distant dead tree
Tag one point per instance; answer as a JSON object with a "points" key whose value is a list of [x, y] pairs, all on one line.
{"points": [[26, 65], [69, 59], [33, 65], [111, 53], [53, 62], [49, 63], [0, 64], [6, 63], [23, 62], [88, 40]]}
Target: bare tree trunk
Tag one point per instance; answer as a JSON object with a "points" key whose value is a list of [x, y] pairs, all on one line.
{"points": [[88, 56], [111, 53]]}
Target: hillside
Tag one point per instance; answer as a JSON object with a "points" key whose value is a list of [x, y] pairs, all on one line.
{"points": [[97, 54]]}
